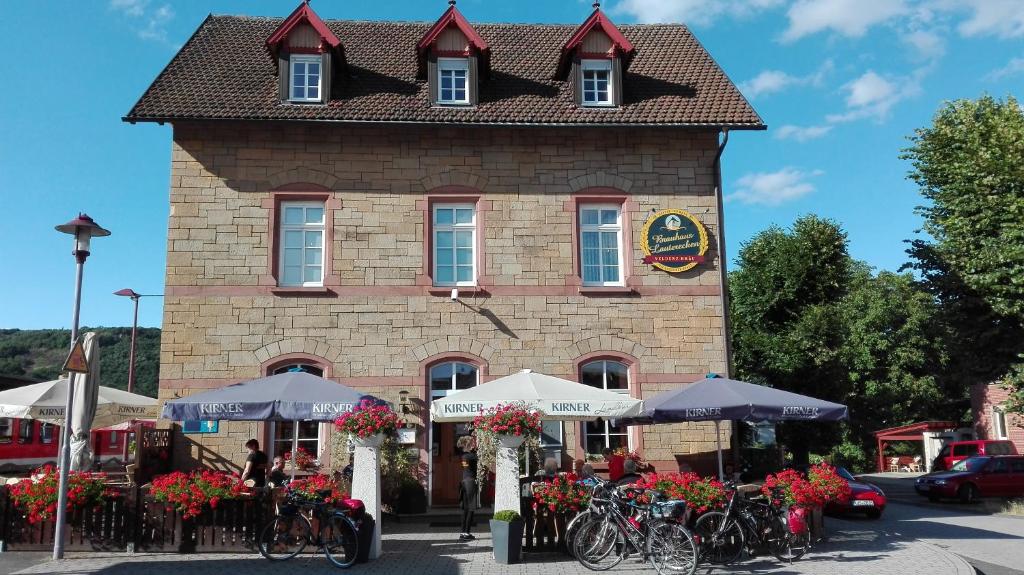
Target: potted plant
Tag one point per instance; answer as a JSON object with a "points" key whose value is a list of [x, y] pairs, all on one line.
{"points": [[369, 423], [507, 536], [38, 496]]}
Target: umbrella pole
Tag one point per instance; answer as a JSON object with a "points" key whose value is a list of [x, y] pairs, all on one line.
{"points": [[718, 443], [295, 447]]}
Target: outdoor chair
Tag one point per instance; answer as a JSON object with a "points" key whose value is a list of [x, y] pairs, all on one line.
{"points": [[915, 465], [894, 464]]}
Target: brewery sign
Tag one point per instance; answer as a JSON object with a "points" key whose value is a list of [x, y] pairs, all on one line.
{"points": [[673, 240]]}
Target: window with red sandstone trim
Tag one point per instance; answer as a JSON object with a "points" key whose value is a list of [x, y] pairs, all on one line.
{"points": [[454, 244], [301, 260], [601, 244]]}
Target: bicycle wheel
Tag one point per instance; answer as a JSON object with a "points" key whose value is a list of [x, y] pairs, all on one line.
{"points": [[599, 545], [572, 528], [671, 549], [787, 546], [284, 537], [340, 540], [719, 544]]}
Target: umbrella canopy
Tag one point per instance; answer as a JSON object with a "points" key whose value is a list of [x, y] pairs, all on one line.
{"points": [[45, 402], [718, 399], [289, 396], [558, 399], [86, 389], [128, 425]]}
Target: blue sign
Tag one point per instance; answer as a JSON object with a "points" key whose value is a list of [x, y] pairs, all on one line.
{"points": [[209, 426]]}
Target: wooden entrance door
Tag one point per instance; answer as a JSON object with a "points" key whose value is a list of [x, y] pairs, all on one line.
{"points": [[447, 462]]}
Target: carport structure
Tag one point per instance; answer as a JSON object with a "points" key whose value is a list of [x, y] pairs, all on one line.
{"points": [[912, 432]]}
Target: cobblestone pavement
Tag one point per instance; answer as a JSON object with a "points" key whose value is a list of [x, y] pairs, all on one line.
{"points": [[853, 547]]}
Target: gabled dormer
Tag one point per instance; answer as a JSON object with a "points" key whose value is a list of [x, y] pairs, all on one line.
{"points": [[594, 60], [308, 57], [454, 60]]}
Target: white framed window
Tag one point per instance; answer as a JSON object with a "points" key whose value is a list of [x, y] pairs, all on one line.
{"points": [[452, 81], [305, 78], [452, 376], [6, 429], [302, 244], [999, 423], [601, 245], [46, 432], [454, 244], [282, 432], [597, 83], [611, 376], [551, 434], [25, 429]]}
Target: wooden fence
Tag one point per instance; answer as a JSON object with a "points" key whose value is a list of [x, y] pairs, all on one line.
{"points": [[134, 521]]}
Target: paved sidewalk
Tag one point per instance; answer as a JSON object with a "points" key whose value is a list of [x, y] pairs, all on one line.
{"points": [[414, 549]]}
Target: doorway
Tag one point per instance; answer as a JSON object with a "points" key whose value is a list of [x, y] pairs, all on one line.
{"points": [[445, 456]]}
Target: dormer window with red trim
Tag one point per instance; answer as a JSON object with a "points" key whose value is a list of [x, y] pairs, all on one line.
{"points": [[454, 59], [308, 54], [594, 60]]}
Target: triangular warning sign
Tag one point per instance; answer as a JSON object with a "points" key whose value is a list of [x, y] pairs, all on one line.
{"points": [[76, 359]]}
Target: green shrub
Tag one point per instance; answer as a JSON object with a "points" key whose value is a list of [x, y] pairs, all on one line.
{"points": [[850, 456], [507, 515]]}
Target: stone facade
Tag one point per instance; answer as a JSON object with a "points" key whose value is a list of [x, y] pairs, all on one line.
{"points": [[378, 324]]}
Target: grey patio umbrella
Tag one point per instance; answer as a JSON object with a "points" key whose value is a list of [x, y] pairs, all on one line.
{"points": [[86, 388], [290, 396], [717, 399]]}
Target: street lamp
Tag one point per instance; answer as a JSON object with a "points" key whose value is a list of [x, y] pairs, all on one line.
{"points": [[128, 292], [83, 228]]}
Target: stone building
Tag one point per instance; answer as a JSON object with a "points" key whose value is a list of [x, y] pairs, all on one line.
{"points": [[991, 420], [414, 208]]}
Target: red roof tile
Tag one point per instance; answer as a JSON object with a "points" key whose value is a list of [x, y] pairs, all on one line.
{"points": [[223, 72]]}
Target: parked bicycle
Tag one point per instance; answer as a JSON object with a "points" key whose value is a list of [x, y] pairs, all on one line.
{"points": [[749, 524], [289, 532], [625, 527]]}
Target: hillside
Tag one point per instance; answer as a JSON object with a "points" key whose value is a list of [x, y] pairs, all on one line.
{"points": [[39, 354]]}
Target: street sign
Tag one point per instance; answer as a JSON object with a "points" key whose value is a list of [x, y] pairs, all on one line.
{"points": [[76, 361], [207, 426]]}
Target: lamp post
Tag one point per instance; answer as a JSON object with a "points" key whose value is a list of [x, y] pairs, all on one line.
{"points": [[128, 292], [83, 228]]}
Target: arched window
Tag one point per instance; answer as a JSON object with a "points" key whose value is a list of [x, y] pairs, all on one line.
{"points": [[309, 431], [612, 376], [452, 376]]}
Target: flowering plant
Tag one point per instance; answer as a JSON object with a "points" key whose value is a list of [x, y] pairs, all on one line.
{"points": [[791, 488], [317, 487], [828, 484], [562, 493], [190, 493], [303, 458], [700, 493], [510, 419], [369, 418], [39, 496], [633, 456]]}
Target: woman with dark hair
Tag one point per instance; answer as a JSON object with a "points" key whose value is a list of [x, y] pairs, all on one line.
{"points": [[468, 487], [255, 464]]}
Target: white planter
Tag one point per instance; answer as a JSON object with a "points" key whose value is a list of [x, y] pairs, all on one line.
{"points": [[511, 441], [371, 441]]}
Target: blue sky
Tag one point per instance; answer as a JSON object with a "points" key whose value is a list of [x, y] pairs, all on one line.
{"points": [[841, 84]]}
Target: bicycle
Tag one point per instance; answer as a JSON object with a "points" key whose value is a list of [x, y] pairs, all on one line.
{"points": [[749, 524], [289, 532], [604, 541]]}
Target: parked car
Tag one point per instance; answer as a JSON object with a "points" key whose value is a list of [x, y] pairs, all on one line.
{"points": [[960, 450], [865, 497], [974, 477]]}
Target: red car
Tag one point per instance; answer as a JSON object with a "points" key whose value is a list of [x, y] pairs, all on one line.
{"points": [[960, 450], [974, 477], [865, 498]]}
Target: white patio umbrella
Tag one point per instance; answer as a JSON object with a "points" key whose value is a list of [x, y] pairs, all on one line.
{"points": [[45, 402], [86, 389]]}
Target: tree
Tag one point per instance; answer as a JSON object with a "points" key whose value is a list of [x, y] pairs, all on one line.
{"points": [[970, 167]]}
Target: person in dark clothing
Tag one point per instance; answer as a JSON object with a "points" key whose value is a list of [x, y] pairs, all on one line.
{"points": [[630, 476], [255, 464], [468, 487], [277, 475]]}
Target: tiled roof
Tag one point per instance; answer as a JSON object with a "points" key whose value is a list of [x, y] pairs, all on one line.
{"points": [[225, 72]]}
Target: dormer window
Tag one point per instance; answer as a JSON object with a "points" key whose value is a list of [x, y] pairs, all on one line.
{"points": [[597, 83], [306, 78], [453, 81]]}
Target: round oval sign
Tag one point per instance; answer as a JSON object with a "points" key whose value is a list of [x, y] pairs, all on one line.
{"points": [[674, 240]]}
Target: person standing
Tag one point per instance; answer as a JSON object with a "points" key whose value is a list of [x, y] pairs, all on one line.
{"points": [[255, 464], [468, 488]]}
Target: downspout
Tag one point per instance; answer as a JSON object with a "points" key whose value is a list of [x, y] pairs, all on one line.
{"points": [[723, 287]]}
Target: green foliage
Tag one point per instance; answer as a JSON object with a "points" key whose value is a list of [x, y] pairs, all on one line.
{"points": [[40, 354], [969, 165], [851, 456], [507, 515]]}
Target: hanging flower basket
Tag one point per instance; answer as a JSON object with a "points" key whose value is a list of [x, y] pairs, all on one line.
{"points": [[368, 419], [510, 419]]}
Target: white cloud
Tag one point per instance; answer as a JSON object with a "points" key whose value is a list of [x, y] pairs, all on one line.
{"points": [[1012, 68], [928, 44], [847, 17], [773, 188], [771, 81], [801, 133], [1001, 18], [873, 96], [150, 22], [698, 12]]}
